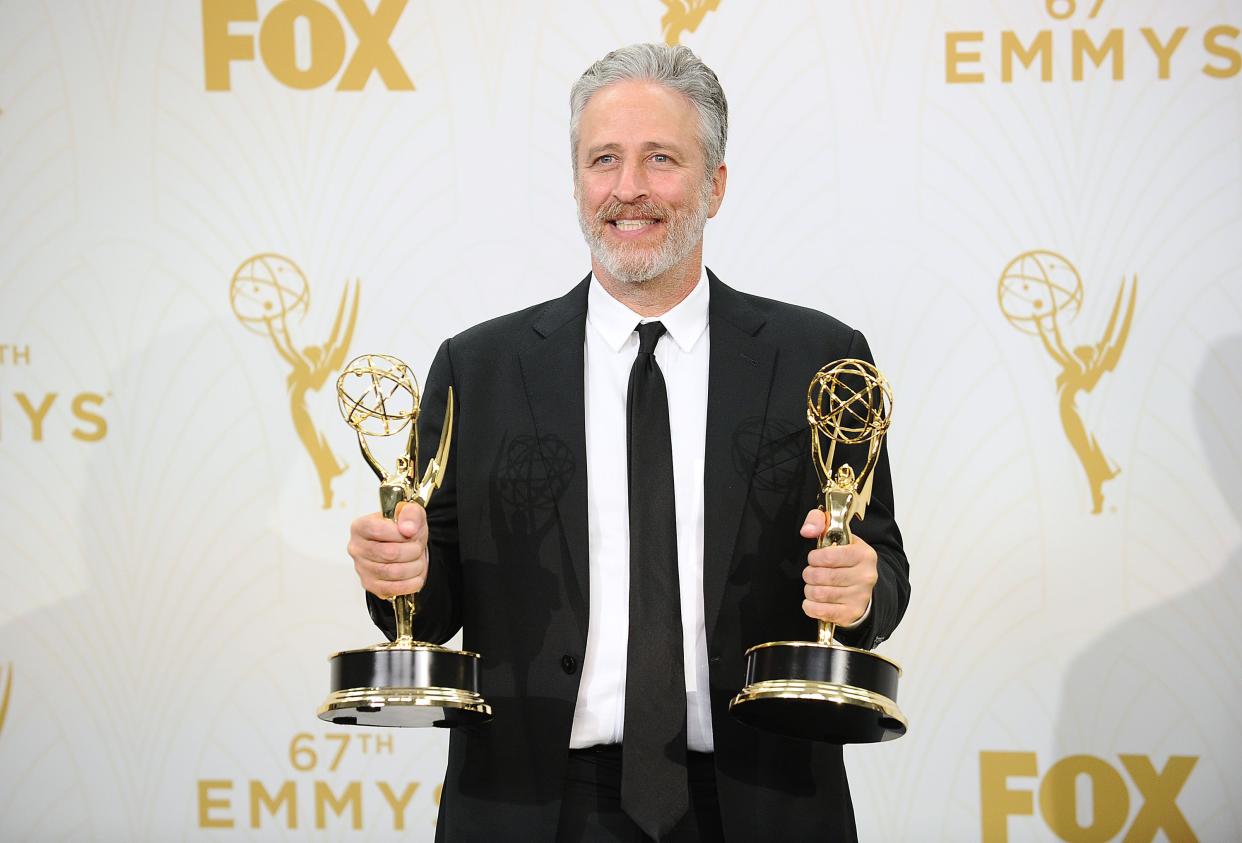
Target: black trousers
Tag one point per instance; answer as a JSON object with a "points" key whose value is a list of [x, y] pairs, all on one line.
{"points": [[591, 805]]}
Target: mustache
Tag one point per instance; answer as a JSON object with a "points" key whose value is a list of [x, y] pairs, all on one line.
{"points": [[630, 210]]}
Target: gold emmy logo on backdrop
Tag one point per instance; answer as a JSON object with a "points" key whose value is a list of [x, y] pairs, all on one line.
{"points": [[7, 673], [1076, 33], [1039, 292], [266, 291], [91, 425], [684, 16]]}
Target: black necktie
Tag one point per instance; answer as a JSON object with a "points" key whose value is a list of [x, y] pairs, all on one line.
{"points": [[654, 790]]}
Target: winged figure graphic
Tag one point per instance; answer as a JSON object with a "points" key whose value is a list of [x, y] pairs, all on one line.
{"points": [[684, 16], [312, 367], [6, 678], [1081, 370]]}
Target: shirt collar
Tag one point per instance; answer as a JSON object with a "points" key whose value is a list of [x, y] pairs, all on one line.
{"points": [[615, 322]]}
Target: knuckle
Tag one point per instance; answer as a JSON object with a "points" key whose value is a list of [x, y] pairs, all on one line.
{"points": [[399, 572], [363, 527], [405, 586]]}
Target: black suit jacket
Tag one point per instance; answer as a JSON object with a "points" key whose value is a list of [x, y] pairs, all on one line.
{"points": [[508, 533]]}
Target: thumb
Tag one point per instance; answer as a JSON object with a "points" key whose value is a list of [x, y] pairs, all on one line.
{"points": [[405, 520], [814, 525]]}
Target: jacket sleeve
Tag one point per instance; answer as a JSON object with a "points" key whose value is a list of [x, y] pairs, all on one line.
{"points": [[438, 614]]}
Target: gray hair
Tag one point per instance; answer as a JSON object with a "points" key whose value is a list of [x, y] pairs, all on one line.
{"points": [[677, 68]]}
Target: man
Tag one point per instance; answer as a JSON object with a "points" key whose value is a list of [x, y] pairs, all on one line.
{"points": [[622, 516]]}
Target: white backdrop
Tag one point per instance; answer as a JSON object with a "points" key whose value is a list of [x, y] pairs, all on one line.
{"points": [[171, 583]]}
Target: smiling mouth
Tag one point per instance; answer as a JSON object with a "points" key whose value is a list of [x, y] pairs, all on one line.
{"points": [[632, 225]]}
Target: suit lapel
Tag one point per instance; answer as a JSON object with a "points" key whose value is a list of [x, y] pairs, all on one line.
{"points": [[739, 380], [552, 372]]}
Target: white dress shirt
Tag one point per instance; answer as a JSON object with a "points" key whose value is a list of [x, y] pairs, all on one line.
{"points": [[682, 353]]}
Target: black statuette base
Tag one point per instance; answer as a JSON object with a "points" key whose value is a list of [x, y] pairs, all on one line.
{"points": [[820, 692], [418, 686]]}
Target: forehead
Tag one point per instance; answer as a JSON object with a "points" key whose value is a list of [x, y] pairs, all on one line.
{"points": [[634, 113]]}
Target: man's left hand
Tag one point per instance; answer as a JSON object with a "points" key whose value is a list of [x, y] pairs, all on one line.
{"points": [[839, 580]]}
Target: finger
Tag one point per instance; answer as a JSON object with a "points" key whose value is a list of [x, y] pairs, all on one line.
{"points": [[388, 590], [836, 613], [827, 576], [387, 552], [841, 556], [390, 573], [411, 518], [814, 525], [836, 595], [375, 527]]}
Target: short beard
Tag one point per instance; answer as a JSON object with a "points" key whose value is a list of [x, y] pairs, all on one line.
{"points": [[637, 266]]}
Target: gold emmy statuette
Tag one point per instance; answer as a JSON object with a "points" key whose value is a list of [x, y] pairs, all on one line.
{"points": [[823, 690], [405, 682]]}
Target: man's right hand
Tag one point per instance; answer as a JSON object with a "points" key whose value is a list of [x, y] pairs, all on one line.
{"points": [[390, 556]]}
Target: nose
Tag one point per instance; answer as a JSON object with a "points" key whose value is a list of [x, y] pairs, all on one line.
{"points": [[631, 183]]}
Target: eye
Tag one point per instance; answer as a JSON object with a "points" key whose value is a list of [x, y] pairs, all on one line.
{"points": [[607, 158], [661, 158]]}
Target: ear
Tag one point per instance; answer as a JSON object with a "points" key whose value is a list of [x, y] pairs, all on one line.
{"points": [[719, 178]]}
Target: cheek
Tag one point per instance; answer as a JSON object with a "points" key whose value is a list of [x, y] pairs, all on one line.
{"points": [[592, 192], [673, 192]]}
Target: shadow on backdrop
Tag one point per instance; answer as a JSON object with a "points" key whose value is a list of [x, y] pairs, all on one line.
{"points": [[1149, 730]]}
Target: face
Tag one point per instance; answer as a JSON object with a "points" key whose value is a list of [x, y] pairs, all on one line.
{"points": [[643, 195]]}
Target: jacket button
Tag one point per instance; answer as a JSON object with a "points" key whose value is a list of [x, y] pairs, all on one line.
{"points": [[568, 663]]}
